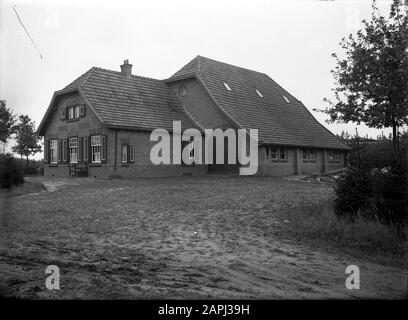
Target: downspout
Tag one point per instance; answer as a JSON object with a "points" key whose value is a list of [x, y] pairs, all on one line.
{"points": [[116, 148]]}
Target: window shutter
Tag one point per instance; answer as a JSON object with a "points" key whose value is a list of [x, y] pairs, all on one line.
{"points": [[80, 149], [59, 151], [64, 151], [103, 147], [89, 149], [45, 151], [82, 111], [131, 154], [49, 152], [63, 114], [85, 149]]}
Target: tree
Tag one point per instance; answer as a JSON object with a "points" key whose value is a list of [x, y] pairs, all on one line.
{"points": [[7, 121], [27, 141], [371, 80]]}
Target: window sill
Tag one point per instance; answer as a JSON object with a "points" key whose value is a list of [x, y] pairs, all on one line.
{"points": [[276, 161], [94, 164], [72, 120]]}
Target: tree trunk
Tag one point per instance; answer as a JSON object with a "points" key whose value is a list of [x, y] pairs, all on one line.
{"points": [[395, 146]]}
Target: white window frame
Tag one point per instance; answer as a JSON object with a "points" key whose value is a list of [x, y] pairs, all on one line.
{"points": [[73, 144], [96, 148], [71, 113], [285, 153], [76, 112], [330, 155], [306, 155], [54, 151], [312, 155], [124, 153]]}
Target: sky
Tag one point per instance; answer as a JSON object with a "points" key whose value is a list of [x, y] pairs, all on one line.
{"points": [[291, 41]]}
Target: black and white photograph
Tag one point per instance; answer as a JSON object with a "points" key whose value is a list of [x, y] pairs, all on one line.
{"points": [[226, 151]]}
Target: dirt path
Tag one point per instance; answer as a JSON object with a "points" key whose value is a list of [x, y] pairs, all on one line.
{"points": [[121, 240]]}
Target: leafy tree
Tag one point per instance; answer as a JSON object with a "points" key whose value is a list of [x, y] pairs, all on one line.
{"points": [[27, 141], [7, 121], [372, 77]]}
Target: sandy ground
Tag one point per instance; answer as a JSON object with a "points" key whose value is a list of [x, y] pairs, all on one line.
{"points": [[215, 237]]}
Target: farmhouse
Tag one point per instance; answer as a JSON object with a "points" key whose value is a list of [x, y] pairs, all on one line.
{"points": [[100, 124]]}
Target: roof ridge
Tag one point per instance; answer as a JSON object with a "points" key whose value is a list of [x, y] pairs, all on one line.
{"points": [[231, 65], [119, 73], [198, 64]]}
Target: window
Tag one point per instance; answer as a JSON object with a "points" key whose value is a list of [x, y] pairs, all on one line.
{"points": [[53, 151], [259, 93], [73, 150], [62, 114], [76, 114], [227, 86], [333, 156], [330, 156], [309, 155], [96, 147], [276, 154], [71, 113], [182, 91], [286, 99], [283, 154], [124, 153]]}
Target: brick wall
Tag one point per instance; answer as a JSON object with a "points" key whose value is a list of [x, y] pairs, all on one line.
{"points": [[63, 129]]}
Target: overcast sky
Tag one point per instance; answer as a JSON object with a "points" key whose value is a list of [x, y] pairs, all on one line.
{"points": [[291, 41]]}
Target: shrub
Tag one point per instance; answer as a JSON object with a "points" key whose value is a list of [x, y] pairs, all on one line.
{"points": [[354, 194], [11, 173], [391, 192], [376, 194]]}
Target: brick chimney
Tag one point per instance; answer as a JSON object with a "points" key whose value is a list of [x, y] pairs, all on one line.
{"points": [[126, 68]]}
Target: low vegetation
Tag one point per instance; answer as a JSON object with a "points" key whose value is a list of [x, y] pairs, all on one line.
{"points": [[318, 221]]}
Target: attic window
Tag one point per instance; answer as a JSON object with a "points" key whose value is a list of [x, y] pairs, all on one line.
{"points": [[259, 93], [227, 86], [286, 99]]}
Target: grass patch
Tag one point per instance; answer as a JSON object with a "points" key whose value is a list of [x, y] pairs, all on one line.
{"points": [[27, 187], [318, 221]]}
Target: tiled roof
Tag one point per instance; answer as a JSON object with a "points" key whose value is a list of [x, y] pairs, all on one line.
{"points": [[134, 102], [278, 121]]}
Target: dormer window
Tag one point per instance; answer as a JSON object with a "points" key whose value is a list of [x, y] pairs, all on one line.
{"points": [[259, 93], [73, 112], [286, 99], [227, 86]]}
